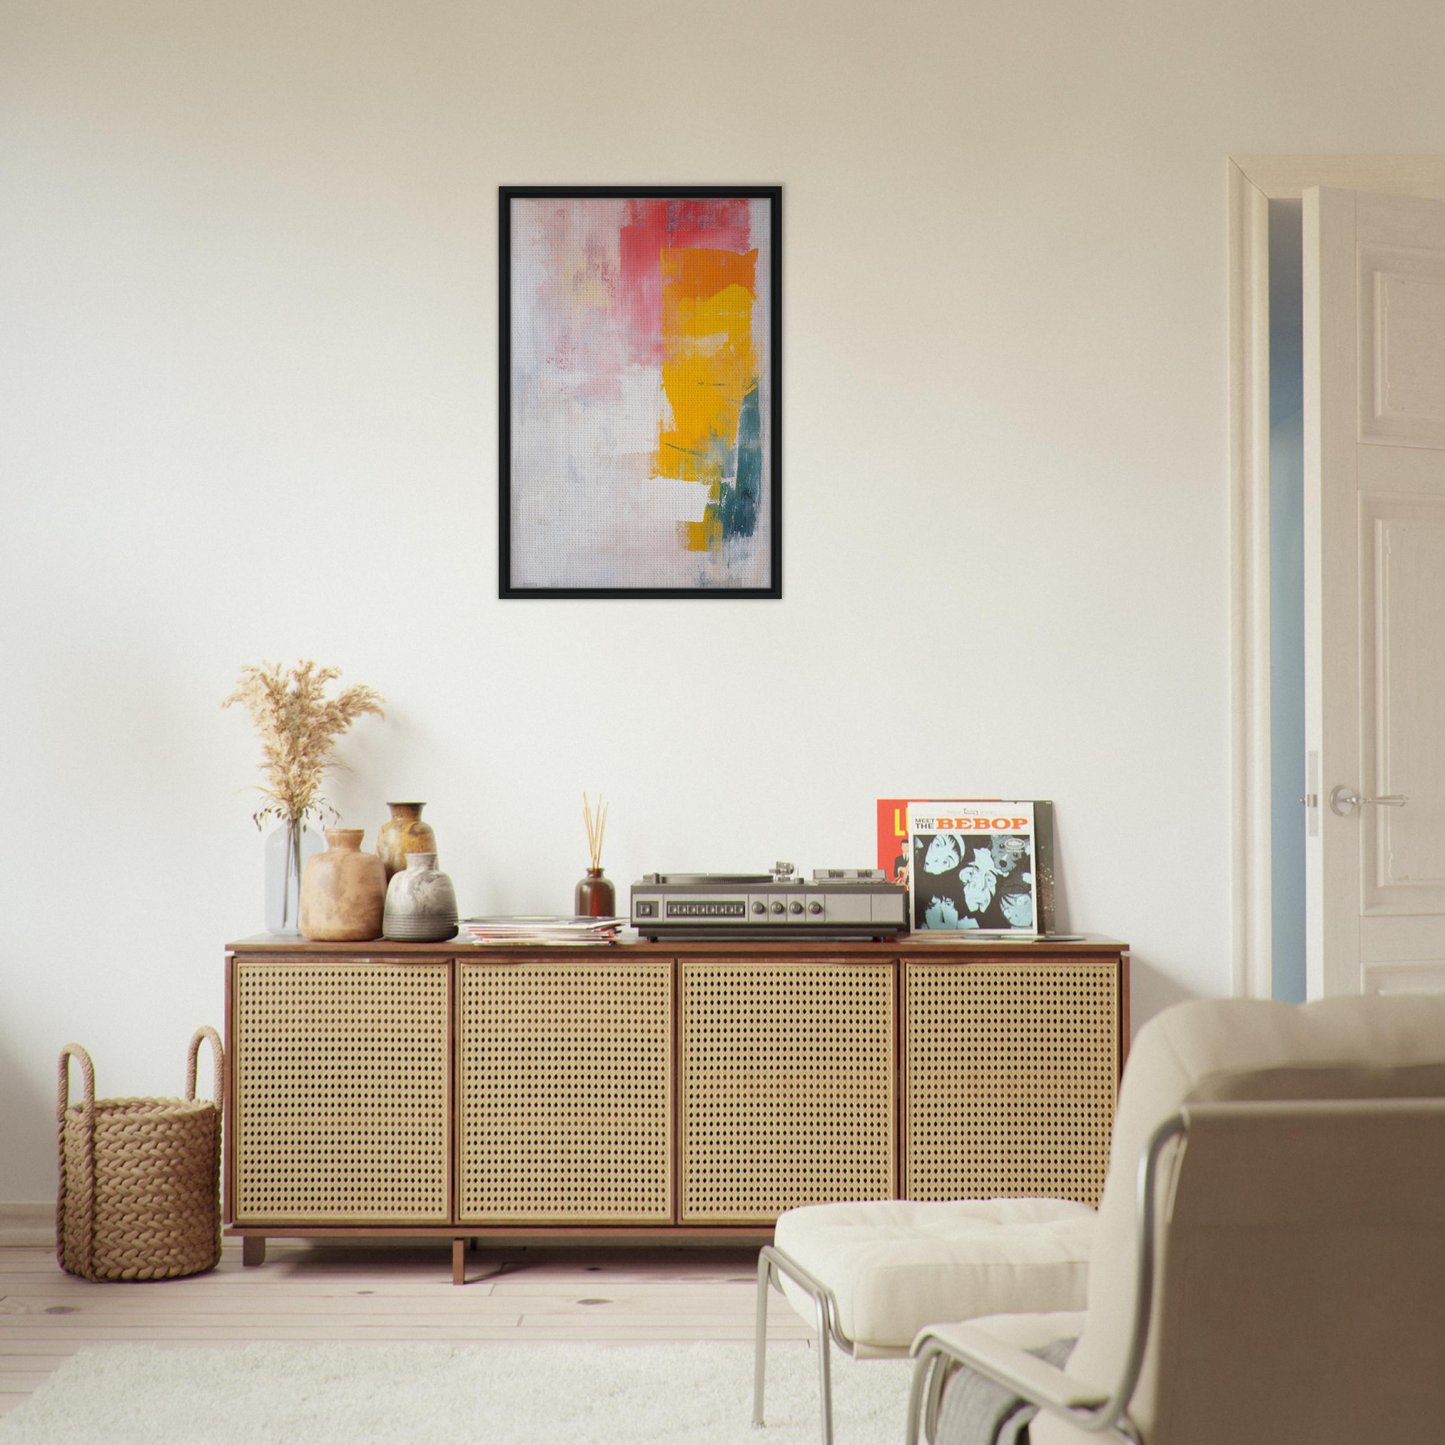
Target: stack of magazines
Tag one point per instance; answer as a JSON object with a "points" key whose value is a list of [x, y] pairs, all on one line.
{"points": [[528, 929]]}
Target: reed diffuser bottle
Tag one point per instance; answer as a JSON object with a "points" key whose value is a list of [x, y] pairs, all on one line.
{"points": [[595, 896]]}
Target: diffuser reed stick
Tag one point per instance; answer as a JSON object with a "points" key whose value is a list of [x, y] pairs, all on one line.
{"points": [[596, 826], [595, 897]]}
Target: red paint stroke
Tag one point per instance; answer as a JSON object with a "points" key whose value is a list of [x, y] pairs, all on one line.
{"points": [[652, 226]]}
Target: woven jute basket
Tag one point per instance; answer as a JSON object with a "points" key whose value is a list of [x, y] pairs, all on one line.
{"points": [[139, 1178]]}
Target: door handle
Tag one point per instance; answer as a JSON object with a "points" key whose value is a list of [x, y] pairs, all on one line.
{"points": [[1344, 800]]}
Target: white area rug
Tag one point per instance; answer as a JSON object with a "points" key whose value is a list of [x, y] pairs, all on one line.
{"points": [[491, 1394]]}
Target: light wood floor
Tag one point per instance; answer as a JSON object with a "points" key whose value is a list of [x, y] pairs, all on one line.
{"points": [[381, 1292]]}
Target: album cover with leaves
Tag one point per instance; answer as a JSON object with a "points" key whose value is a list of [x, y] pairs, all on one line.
{"points": [[981, 865]]}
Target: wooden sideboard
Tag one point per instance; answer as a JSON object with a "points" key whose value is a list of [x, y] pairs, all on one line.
{"points": [[657, 1091]]}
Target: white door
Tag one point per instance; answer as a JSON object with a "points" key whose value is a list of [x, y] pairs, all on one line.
{"points": [[1374, 423]]}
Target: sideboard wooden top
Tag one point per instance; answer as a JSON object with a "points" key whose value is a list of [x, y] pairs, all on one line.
{"points": [[905, 945]]}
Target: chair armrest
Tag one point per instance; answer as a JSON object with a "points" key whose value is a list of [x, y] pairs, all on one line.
{"points": [[1035, 1379], [1028, 1332]]}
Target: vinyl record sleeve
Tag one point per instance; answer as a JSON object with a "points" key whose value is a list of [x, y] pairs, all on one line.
{"points": [[897, 860]]}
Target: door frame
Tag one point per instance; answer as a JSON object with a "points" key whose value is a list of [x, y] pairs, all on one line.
{"points": [[1254, 181]]}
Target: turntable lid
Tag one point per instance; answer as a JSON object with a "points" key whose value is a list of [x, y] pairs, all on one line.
{"points": [[703, 879]]}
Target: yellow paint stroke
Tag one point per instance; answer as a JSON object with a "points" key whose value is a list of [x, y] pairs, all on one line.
{"points": [[707, 369]]}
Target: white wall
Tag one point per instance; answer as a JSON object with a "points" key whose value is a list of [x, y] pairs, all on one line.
{"points": [[248, 339]]}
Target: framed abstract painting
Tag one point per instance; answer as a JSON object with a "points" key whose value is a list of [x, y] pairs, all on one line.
{"points": [[640, 399]]}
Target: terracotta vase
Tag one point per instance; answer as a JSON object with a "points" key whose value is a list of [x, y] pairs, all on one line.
{"points": [[595, 897], [343, 890], [421, 904], [403, 833]]}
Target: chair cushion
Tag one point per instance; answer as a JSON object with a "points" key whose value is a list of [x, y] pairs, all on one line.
{"points": [[896, 1265]]}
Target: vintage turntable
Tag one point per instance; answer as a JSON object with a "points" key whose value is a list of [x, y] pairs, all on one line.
{"points": [[834, 903]]}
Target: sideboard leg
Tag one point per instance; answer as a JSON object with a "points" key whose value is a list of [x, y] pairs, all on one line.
{"points": [[459, 1261], [253, 1249]]}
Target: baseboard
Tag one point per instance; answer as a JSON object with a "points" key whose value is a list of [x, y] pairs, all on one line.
{"points": [[28, 1223]]}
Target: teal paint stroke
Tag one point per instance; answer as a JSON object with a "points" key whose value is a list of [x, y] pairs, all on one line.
{"points": [[740, 501]]}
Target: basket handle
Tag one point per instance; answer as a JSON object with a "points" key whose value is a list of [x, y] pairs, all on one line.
{"points": [[87, 1070], [218, 1055], [84, 1186]]}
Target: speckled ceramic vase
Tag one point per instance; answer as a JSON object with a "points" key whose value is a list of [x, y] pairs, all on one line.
{"points": [[403, 833], [421, 904], [343, 890]]}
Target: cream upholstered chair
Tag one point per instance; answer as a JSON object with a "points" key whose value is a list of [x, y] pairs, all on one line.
{"points": [[1269, 1259], [870, 1275]]}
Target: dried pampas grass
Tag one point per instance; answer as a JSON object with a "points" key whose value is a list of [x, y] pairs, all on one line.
{"points": [[298, 724]]}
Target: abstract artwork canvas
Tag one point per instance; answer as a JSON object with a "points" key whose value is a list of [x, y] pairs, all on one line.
{"points": [[640, 403]]}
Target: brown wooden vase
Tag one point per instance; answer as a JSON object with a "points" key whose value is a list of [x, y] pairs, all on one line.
{"points": [[343, 890], [403, 833]]}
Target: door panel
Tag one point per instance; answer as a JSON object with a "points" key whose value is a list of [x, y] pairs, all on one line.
{"points": [[1010, 1078], [788, 1086], [1402, 563], [1375, 589], [565, 1079], [1402, 346], [342, 1092]]}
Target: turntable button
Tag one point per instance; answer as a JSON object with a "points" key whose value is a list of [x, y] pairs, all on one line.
{"points": [[795, 907], [759, 906], [777, 908], [815, 907]]}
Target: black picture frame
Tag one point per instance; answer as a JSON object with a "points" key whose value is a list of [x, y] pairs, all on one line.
{"points": [[770, 412]]}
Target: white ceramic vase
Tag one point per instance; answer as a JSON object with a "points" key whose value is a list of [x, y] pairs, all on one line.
{"points": [[421, 904]]}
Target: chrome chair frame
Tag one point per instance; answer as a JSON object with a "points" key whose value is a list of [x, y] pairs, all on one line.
{"points": [[937, 1358], [771, 1264]]}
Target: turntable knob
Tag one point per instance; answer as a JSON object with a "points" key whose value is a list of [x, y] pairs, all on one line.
{"points": [[759, 906], [795, 907], [777, 908], [815, 907]]}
